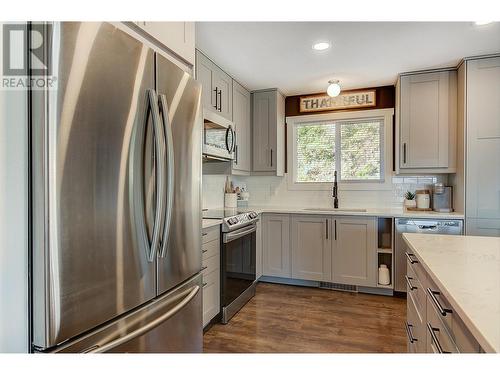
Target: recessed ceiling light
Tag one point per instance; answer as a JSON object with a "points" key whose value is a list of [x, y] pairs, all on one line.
{"points": [[482, 23], [321, 46]]}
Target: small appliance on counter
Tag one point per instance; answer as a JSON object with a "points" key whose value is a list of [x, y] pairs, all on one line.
{"points": [[442, 198]]}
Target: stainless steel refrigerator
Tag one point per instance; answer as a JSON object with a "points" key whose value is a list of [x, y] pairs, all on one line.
{"points": [[116, 191]]}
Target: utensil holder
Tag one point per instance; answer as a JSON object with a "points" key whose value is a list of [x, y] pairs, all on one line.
{"points": [[230, 200]]}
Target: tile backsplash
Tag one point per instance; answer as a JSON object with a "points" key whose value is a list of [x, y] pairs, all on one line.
{"points": [[273, 191]]}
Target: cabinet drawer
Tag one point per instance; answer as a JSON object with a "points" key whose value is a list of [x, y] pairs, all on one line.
{"points": [[416, 291], [414, 329], [210, 264], [439, 338], [211, 296], [210, 249], [440, 305], [210, 234], [466, 343]]}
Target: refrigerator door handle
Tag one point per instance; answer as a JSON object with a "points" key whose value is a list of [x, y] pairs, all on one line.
{"points": [[148, 327], [169, 175], [159, 154]]}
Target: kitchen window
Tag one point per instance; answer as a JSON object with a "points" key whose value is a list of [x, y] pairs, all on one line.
{"points": [[350, 143]]}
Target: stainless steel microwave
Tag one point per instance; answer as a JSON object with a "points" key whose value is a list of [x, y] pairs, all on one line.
{"points": [[218, 137]]}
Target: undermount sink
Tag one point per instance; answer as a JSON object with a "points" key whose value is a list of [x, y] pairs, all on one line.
{"points": [[337, 209]]}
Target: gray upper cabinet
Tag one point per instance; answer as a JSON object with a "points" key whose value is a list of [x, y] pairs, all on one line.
{"points": [[311, 247], [483, 147], [276, 245], [354, 251], [427, 105], [179, 37], [241, 117], [268, 120], [217, 86]]}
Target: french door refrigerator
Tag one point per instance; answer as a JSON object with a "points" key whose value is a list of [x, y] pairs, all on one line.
{"points": [[116, 191]]}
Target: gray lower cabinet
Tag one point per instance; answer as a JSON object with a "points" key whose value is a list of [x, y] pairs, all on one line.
{"points": [[217, 86], [276, 245], [311, 247], [211, 272], [241, 118], [432, 325], [354, 251]]}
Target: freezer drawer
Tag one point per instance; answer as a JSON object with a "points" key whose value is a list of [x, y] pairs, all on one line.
{"points": [[169, 324]]}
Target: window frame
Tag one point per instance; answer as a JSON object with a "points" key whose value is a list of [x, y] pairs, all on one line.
{"points": [[386, 115]]}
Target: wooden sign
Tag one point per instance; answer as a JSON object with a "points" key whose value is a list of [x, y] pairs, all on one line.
{"points": [[346, 100]]}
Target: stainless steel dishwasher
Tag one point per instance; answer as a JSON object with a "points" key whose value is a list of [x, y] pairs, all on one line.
{"points": [[408, 225]]}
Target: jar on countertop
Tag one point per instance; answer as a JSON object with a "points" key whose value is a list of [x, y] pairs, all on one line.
{"points": [[423, 198]]}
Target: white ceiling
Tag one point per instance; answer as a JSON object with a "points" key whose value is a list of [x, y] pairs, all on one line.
{"points": [[279, 54]]}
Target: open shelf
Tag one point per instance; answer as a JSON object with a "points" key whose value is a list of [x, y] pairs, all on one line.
{"points": [[385, 258], [384, 232], [384, 251]]}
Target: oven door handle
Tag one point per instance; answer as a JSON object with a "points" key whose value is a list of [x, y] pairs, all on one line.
{"points": [[231, 236]]}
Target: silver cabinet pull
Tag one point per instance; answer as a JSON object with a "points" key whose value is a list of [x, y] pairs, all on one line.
{"points": [[409, 256], [404, 153], [335, 233], [409, 333], [432, 294], [216, 97], [410, 286], [203, 251], [326, 226], [434, 338], [204, 268], [220, 100], [204, 234], [271, 157]]}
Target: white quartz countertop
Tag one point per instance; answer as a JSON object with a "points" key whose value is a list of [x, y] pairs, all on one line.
{"points": [[467, 270], [384, 211], [207, 223]]}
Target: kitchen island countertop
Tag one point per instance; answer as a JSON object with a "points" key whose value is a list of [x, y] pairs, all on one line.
{"points": [[467, 271]]}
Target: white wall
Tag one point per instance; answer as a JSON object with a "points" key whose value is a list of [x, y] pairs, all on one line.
{"points": [[273, 191], [13, 220]]}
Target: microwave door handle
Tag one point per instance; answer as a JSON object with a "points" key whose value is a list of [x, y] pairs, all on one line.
{"points": [[228, 148], [169, 174]]}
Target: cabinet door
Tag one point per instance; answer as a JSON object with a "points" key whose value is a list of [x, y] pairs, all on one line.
{"points": [[224, 86], [311, 248], [177, 36], [424, 122], [264, 118], [241, 119], [204, 76], [483, 147], [276, 245], [354, 251]]}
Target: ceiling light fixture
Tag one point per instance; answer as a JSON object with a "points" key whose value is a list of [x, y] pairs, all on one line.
{"points": [[482, 23], [321, 46], [334, 88]]}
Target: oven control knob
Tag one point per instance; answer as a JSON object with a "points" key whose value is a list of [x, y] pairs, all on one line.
{"points": [[232, 221]]}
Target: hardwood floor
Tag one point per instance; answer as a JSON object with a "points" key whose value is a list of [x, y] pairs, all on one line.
{"points": [[291, 319]]}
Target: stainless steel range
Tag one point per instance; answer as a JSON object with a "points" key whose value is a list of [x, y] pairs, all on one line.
{"points": [[238, 246]]}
